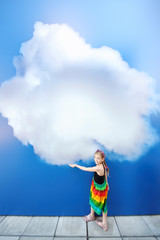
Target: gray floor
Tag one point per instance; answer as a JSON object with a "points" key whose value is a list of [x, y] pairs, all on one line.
{"points": [[65, 228]]}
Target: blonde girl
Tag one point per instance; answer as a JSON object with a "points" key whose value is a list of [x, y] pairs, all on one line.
{"points": [[99, 189]]}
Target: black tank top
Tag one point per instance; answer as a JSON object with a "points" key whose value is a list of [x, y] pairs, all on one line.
{"points": [[99, 179]]}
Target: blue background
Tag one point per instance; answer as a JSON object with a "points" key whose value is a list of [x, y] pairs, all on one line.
{"points": [[29, 186]]}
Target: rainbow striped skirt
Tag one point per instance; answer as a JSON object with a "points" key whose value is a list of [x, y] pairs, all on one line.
{"points": [[98, 196]]}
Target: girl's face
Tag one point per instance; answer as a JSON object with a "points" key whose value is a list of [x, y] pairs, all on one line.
{"points": [[98, 159]]}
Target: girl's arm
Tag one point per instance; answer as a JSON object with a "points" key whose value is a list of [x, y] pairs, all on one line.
{"points": [[88, 169], [106, 179]]}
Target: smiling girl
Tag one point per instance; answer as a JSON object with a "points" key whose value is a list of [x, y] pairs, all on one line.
{"points": [[99, 189]]}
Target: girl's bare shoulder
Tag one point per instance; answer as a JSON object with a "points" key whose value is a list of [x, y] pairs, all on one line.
{"points": [[100, 169], [101, 166]]}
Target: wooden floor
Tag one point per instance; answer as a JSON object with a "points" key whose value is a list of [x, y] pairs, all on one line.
{"points": [[74, 228]]}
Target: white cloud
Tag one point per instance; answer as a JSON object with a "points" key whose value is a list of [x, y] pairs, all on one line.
{"points": [[67, 97]]}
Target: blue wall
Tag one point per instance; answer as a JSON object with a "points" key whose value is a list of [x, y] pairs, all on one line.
{"points": [[28, 186]]}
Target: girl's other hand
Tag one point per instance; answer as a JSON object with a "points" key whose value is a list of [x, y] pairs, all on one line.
{"points": [[72, 165]]}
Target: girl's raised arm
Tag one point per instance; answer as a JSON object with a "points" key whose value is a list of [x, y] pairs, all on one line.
{"points": [[88, 169]]}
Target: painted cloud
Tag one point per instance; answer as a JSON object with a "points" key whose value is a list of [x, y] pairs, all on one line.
{"points": [[67, 98]]}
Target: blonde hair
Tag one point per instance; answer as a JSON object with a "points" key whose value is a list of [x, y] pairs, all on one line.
{"points": [[103, 156]]}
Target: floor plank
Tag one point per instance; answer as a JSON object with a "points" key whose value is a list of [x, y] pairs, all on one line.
{"points": [[41, 226], [14, 225], [71, 226]]}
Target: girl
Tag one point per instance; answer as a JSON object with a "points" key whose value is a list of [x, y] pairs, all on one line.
{"points": [[99, 189]]}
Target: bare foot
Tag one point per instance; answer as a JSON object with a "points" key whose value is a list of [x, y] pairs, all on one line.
{"points": [[102, 225], [88, 218]]}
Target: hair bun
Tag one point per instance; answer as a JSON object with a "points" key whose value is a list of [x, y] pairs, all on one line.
{"points": [[100, 151]]}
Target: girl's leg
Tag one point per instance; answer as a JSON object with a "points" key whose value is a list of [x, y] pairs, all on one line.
{"points": [[103, 223], [104, 219], [92, 213], [90, 216]]}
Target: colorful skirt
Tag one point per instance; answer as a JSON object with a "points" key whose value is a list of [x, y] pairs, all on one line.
{"points": [[98, 196]]}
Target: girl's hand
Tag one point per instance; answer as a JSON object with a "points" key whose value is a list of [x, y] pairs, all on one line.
{"points": [[72, 165]]}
